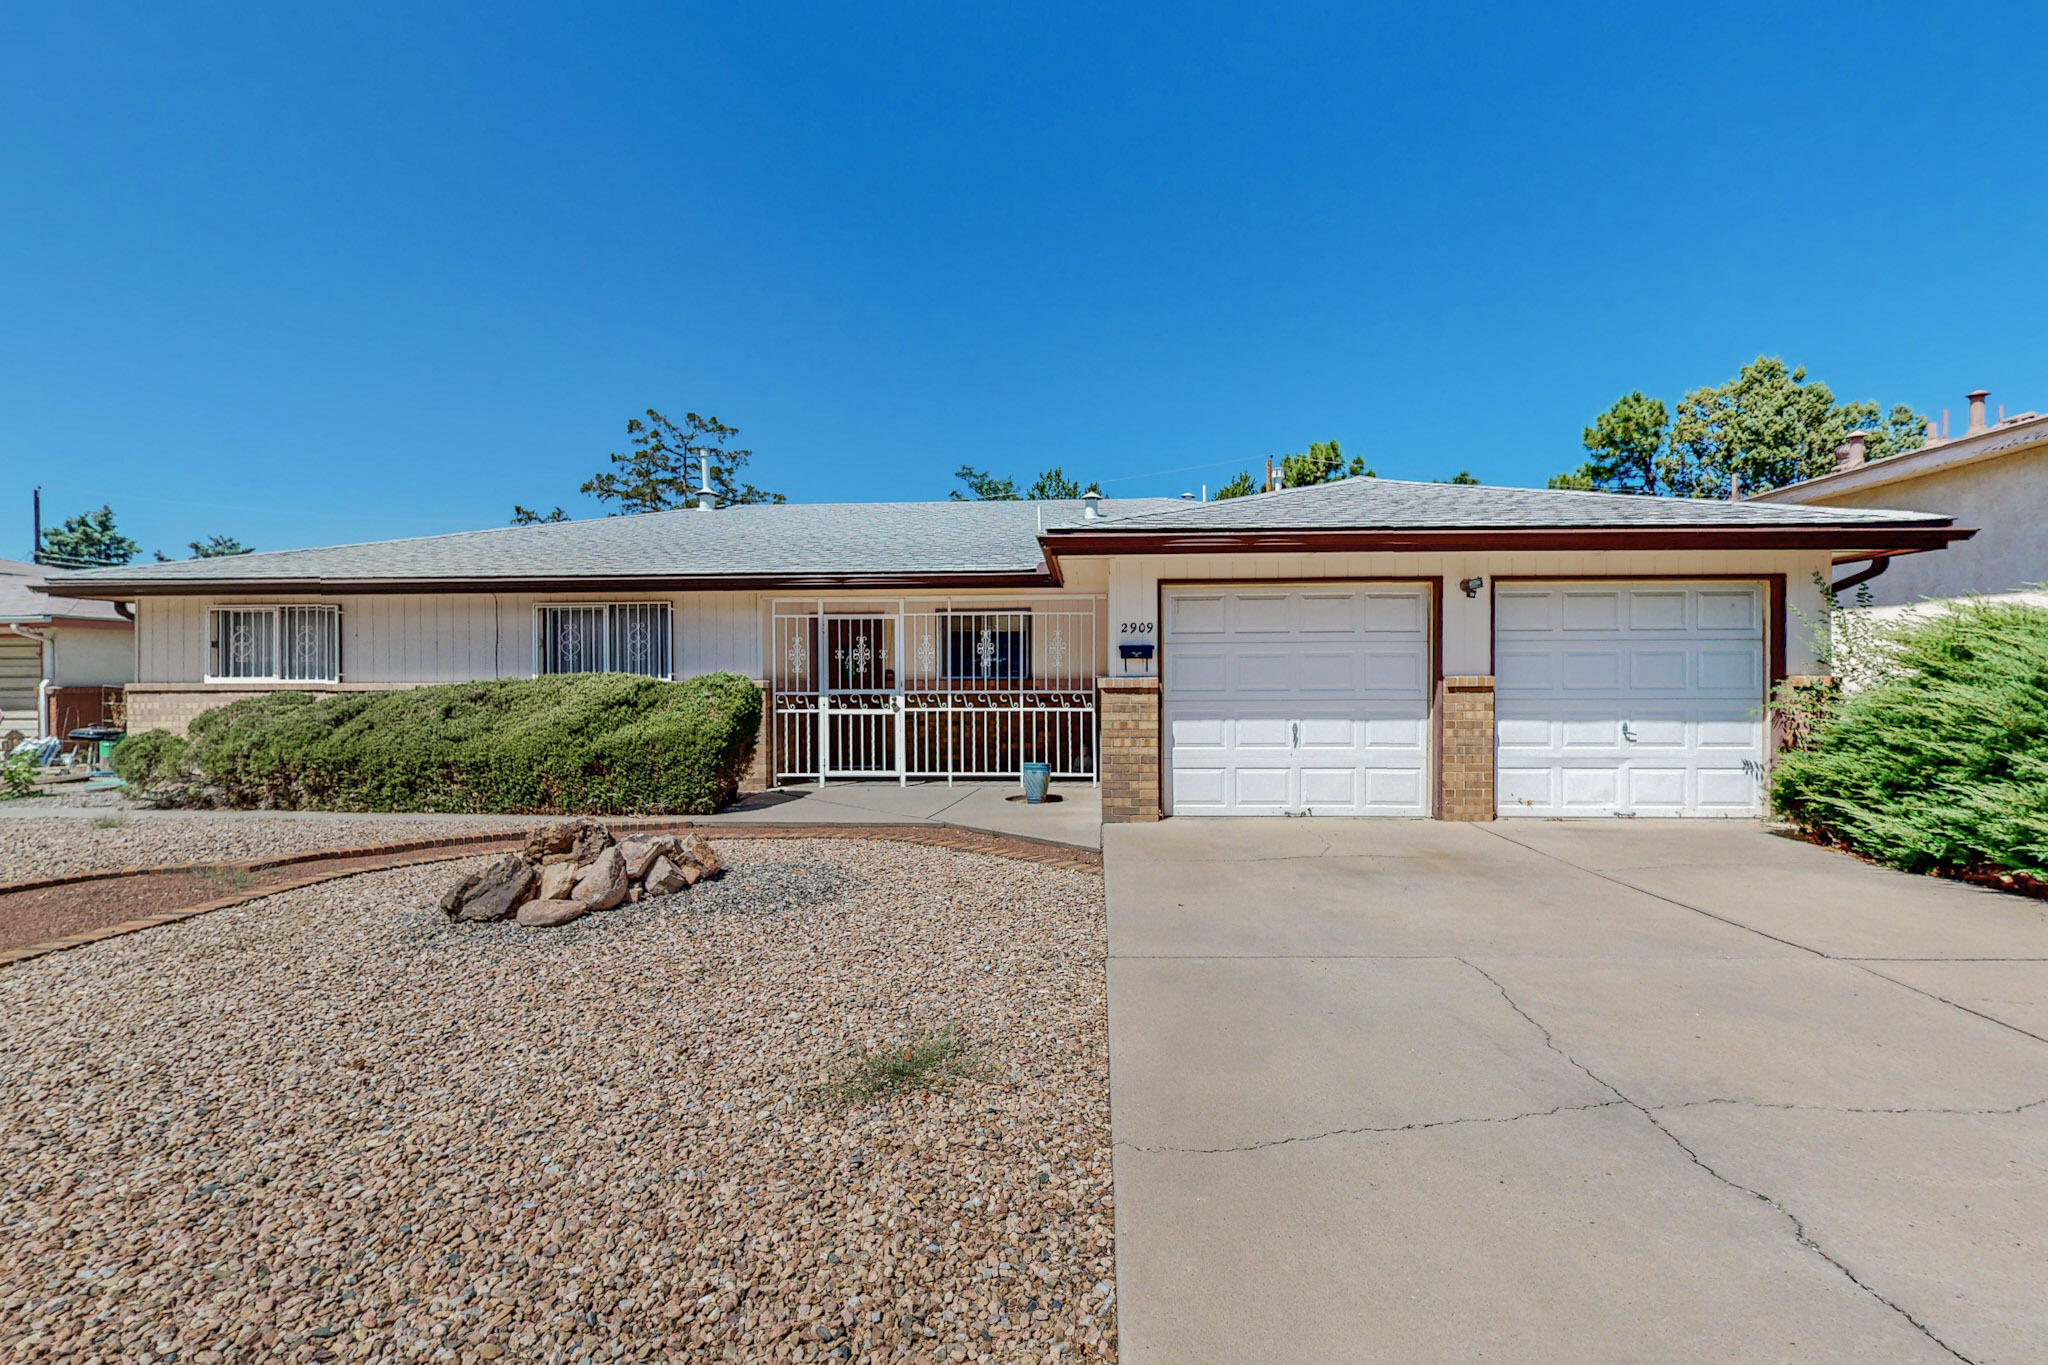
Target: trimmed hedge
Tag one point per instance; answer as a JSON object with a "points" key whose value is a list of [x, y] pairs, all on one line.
{"points": [[1941, 762], [600, 744], [151, 758]]}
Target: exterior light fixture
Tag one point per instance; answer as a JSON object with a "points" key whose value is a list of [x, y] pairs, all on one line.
{"points": [[1472, 586]]}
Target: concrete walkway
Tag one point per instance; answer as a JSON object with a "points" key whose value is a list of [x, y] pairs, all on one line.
{"points": [[1569, 1091], [1075, 818]]}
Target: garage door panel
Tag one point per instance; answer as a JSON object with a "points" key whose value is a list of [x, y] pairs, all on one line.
{"points": [[1336, 787], [1190, 616], [1338, 672], [1328, 613], [1403, 613], [1323, 704], [1590, 670], [1263, 787], [1201, 671], [1731, 670], [1590, 611], [1656, 611], [1264, 670], [1680, 665], [1588, 788], [1658, 670], [1262, 614], [1518, 611], [1400, 671], [1733, 610]]}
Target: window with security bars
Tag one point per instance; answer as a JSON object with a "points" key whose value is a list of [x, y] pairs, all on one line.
{"points": [[608, 637], [276, 644], [988, 646]]}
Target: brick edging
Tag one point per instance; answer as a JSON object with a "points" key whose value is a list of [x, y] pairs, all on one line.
{"points": [[1020, 848]]}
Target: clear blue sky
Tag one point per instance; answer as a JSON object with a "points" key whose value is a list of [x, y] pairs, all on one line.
{"points": [[307, 274]]}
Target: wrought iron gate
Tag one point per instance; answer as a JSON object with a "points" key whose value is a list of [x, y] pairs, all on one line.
{"points": [[934, 688]]}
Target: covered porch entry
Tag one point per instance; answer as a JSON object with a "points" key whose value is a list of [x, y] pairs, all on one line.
{"points": [[934, 687]]}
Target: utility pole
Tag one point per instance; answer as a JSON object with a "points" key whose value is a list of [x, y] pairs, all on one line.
{"points": [[35, 556]]}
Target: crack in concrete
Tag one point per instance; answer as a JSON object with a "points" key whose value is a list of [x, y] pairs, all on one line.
{"points": [[1369, 1129], [1860, 964], [1799, 1232], [1850, 1108]]}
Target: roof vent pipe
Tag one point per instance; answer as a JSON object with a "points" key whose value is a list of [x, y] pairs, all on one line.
{"points": [[1090, 502], [704, 493], [1853, 451], [1977, 398]]}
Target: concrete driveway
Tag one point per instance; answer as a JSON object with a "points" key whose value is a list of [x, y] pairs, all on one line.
{"points": [[1572, 1091]]}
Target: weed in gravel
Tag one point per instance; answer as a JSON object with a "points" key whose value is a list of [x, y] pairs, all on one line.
{"points": [[110, 822], [236, 877], [930, 1061]]}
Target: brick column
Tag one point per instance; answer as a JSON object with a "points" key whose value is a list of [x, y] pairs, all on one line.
{"points": [[760, 774], [1128, 763], [1465, 748]]}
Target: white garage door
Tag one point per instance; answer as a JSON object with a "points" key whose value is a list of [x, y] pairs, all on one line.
{"points": [[1629, 698], [1297, 700]]}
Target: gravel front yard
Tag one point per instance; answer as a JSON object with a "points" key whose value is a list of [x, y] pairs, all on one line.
{"points": [[57, 846], [333, 1124]]}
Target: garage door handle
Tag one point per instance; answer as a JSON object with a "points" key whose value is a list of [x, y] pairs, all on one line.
{"points": [[1627, 733], [1297, 735]]}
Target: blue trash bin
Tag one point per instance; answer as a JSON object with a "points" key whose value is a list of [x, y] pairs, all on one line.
{"points": [[1036, 777]]}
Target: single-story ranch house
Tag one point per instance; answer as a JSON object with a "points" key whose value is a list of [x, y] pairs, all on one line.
{"points": [[1366, 647]]}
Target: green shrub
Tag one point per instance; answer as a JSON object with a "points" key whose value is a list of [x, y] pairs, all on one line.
{"points": [[603, 744], [1940, 760], [150, 758]]}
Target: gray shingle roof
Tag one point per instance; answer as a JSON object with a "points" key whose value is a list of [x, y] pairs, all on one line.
{"points": [[19, 602], [1367, 504], [793, 539], [885, 539]]}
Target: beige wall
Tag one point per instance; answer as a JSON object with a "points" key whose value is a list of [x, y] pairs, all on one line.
{"points": [[1468, 622], [94, 656], [2005, 498], [409, 639]]}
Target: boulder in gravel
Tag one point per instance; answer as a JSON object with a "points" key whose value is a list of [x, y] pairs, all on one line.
{"points": [[665, 878], [494, 893], [555, 881], [566, 841], [549, 914], [698, 852], [640, 851], [602, 885]]}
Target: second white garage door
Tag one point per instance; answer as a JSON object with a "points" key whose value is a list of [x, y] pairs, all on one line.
{"points": [[1297, 700], [1629, 698]]}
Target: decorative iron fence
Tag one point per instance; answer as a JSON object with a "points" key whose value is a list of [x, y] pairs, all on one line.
{"points": [[934, 688]]}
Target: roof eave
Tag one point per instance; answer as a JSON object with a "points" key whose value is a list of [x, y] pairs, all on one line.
{"points": [[121, 590], [1847, 540]]}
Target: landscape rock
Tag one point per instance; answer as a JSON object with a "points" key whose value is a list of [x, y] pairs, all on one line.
{"points": [[699, 852], [566, 841], [492, 894], [665, 878], [602, 885], [641, 850], [548, 914], [556, 879]]}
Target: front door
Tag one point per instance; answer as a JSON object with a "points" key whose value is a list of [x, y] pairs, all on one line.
{"points": [[861, 703]]}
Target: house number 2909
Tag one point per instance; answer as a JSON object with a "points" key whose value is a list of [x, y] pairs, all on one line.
{"points": [[1137, 628]]}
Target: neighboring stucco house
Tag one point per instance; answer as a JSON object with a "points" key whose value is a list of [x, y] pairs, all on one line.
{"points": [[1368, 647], [1993, 477], [57, 654]]}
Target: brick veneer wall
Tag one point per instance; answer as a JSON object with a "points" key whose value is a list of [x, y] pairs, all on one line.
{"points": [[1129, 759], [1465, 748], [172, 706], [759, 776]]}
